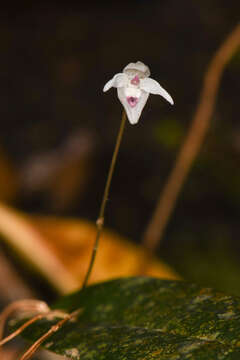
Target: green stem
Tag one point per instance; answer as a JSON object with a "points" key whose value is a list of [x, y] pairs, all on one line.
{"points": [[100, 220]]}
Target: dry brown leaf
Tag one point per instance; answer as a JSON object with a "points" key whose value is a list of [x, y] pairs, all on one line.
{"points": [[18, 231], [60, 250], [72, 241]]}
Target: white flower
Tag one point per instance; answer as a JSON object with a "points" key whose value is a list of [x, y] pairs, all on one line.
{"points": [[133, 87]]}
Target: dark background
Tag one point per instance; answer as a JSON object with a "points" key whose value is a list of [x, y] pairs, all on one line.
{"points": [[55, 120]]}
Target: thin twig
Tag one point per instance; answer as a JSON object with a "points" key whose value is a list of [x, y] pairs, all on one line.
{"points": [[193, 142], [100, 220], [34, 347], [21, 328], [45, 313], [27, 305]]}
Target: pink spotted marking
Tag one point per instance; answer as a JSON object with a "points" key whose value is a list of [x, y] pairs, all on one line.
{"points": [[135, 80], [132, 101]]}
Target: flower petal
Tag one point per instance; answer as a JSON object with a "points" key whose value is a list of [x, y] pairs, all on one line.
{"points": [[133, 113], [119, 80], [153, 87], [137, 68]]}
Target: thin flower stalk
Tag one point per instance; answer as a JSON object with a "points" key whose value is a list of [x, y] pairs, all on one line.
{"points": [[100, 220]]}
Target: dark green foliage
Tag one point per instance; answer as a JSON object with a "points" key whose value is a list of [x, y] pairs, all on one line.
{"points": [[146, 318]]}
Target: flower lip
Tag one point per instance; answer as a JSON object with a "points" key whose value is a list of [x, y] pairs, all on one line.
{"points": [[137, 68], [132, 101]]}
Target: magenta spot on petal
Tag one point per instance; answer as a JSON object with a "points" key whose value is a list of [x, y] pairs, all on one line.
{"points": [[135, 80], [132, 101]]}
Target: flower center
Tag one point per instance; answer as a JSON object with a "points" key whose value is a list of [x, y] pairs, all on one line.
{"points": [[132, 101], [135, 80]]}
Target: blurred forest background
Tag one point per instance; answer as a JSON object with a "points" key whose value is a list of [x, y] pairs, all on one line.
{"points": [[58, 129]]}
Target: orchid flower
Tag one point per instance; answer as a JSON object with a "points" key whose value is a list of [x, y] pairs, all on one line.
{"points": [[134, 86]]}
